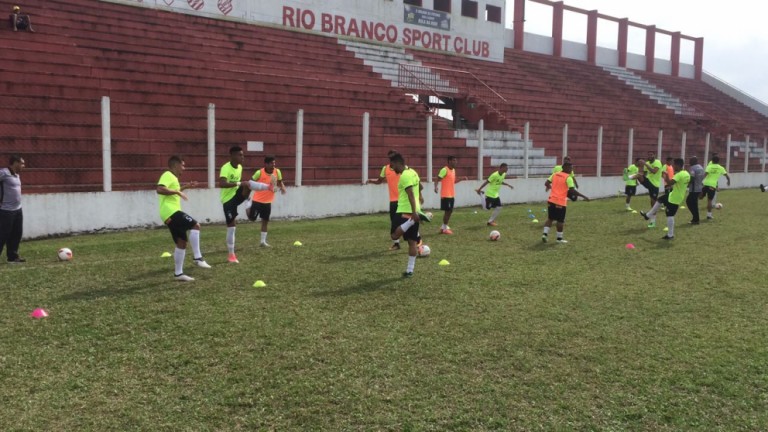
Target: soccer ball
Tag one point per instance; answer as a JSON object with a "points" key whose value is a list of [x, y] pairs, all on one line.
{"points": [[424, 251], [495, 235], [429, 215], [65, 254], [719, 206]]}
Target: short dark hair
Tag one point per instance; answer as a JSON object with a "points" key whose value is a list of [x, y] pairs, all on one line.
{"points": [[235, 149], [391, 152], [14, 158], [638, 159], [503, 164], [396, 158], [716, 159], [669, 158], [693, 160], [679, 162], [269, 159], [175, 159], [450, 158], [567, 166]]}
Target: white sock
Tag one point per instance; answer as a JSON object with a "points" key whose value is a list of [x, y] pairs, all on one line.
{"points": [[231, 239], [444, 226], [546, 230], [178, 260], [396, 241], [627, 204], [495, 214], [407, 225], [194, 238], [257, 186], [411, 264], [263, 236], [671, 226], [559, 235], [709, 214], [652, 214]]}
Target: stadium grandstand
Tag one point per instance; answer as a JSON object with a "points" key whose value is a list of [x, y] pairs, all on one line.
{"points": [[103, 92]]}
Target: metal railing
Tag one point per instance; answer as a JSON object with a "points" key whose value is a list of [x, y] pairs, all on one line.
{"points": [[444, 82]]}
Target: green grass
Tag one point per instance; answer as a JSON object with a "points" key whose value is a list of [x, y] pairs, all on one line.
{"points": [[513, 335]]}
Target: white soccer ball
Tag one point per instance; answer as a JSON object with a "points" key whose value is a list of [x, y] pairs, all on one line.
{"points": [[719, 206], [424, 251], [65, 254], [494, 235]]}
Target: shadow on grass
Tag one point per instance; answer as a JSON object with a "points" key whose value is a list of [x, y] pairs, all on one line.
{"points": [[140, 283], [365, 287], [359, 257]]}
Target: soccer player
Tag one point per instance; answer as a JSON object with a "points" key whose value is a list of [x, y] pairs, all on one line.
{"points": [[262, 200], [447, 179], [667, 173], [672, 200], [11, 216], [492, 200], [713, 173], [697, 177], [408, 209], [631, 176], [170, 192], [234, 193], [561, 186], [652, 177], [392, 178], [558, 168]]}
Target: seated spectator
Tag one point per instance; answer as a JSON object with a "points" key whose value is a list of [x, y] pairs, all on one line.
{"points": [[19, 21]]}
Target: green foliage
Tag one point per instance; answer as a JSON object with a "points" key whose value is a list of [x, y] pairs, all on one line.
{"points": [[513, 335]]}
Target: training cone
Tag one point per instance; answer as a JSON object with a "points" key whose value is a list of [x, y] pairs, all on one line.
{"points": [[443, 263], [39, 313], [682, 207], [165, 255], [634, 211], [630, 246], [259, 284], [297, 243], [666, 229], [535, 221]]}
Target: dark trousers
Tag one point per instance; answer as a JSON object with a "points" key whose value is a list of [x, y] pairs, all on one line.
{"points": [[11, 227], [692, 202]]}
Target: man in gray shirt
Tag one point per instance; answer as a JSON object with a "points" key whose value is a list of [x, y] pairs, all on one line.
{"points": [[11, 218], [697, 178]]}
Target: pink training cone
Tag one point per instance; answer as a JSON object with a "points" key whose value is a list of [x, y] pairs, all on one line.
{"points": [[39, 313], [630, 246]]}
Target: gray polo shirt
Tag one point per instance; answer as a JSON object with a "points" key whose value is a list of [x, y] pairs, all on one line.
{"points": [[697, 178], [10, 190]]}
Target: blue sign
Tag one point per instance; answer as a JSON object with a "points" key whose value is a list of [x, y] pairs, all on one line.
{"points": [[427, 18]]}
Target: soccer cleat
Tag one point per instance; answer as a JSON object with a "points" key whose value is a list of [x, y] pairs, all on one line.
{"points": [[407, 275], [762, 188], [492, 223], [445, 231], [425, 217], [233, 259], [645, 216], [17, 260], [395, 247], [652, 225], [666, 237], [629, 209], [543, 238], [183, 278], [710, 217], [562, 241], [200, 262], [265, 244]]}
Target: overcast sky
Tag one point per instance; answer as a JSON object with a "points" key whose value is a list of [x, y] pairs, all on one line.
{"points": [[735, 32]]}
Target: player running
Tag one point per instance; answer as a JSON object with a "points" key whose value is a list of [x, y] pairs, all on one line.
{"points": [[392, 178], [492, 200]]}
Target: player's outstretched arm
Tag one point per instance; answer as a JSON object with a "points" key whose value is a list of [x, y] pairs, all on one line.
{"points": [[575, 192], [225, 184]]}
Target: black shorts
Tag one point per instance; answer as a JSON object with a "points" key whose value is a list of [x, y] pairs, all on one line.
{"points": [[492, 202], [230, 207], [412, 233], [262, 210], [447, 203], [709, 192], [556, 212], [179, 223], [630, 190], [393, 216], [653, 191], [671, 209]]}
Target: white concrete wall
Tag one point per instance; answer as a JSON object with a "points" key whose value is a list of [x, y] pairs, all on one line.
{"points": [[66, 213]]}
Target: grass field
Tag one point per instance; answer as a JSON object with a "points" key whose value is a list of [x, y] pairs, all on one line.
{"points": [[513, 335]]}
